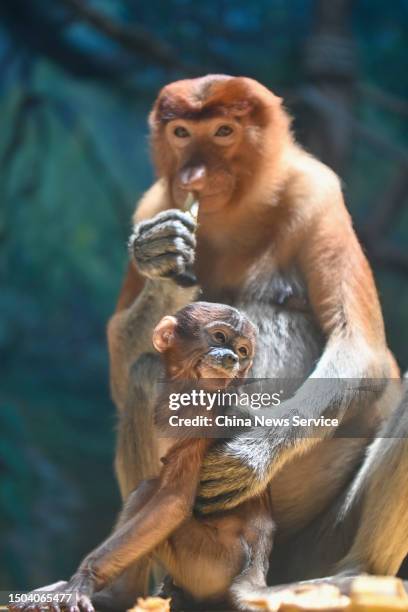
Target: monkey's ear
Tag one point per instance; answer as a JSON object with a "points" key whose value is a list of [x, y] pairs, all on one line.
{"points": [[163, 334]]}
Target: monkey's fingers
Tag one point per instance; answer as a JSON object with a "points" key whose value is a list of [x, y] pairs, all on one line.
{"points": [[83, 604], [172, 214], [223, 464], [243, 485], [163, 246], [164, 251], [225, 483], [186, 278], [219, 467], [168, 229], [169, 265]]}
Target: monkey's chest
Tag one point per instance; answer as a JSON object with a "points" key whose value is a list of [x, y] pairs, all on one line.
{"points": [[289, 342]]}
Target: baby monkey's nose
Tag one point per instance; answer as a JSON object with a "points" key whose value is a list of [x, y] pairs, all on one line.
{"points": [[229, 360]]}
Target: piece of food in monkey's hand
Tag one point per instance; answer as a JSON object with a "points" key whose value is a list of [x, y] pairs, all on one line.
{"points": [[156, 604], [191, 206]]}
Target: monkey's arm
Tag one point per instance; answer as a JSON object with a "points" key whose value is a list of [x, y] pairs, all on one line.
{"points": [[130, 330], [163, 248], [344, 299], [151, 514], [154, 201]]}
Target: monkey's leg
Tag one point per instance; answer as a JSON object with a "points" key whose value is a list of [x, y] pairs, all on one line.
{"points": [[139, 528], [215, 559], [363, 530], [202, 559], [258, 539], [163, 248], [83, 583], [150, 515], [136, 460], [381, 487]]}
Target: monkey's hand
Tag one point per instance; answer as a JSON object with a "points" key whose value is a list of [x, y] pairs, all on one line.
{"points": [[234, 472], [164, 247]]}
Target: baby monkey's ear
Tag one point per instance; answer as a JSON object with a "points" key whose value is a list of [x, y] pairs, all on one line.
{"points": [[163, 334]]}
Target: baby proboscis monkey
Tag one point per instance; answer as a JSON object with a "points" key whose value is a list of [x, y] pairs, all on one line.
{"points": [[205, 346]]}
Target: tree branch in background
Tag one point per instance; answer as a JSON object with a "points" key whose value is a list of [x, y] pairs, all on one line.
{"points": [[389, 255], [27, 103], [121, 206], [388, 206], [387, 101], [385, 212], [312, 97], [391, 201], [131, 38], [40, 32]]}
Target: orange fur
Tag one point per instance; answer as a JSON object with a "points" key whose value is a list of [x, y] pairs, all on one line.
{"points": [[285, 207], [266, 208]]}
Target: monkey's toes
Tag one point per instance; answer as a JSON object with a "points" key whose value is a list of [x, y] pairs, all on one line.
{"points": [[83, 604]]}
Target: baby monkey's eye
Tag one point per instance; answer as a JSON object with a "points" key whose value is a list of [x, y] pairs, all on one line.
{"points": [[181, 132], [224, 130], [220, 337], [243, 351]]}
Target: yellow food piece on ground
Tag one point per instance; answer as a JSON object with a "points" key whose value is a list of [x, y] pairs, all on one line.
{"points": [[302, 598], [378, 594], [367, 594], [155, 604]]}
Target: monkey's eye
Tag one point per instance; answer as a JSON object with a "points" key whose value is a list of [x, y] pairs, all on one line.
{"points": [[220, 337], [181, 132], [224, 130], [243, 351]]}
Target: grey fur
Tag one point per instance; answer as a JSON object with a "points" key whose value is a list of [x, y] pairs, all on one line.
{"points": [[166, 247]]}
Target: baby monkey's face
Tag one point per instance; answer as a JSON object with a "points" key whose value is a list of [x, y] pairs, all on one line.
{"points": [[227, 351], [206, 341]]}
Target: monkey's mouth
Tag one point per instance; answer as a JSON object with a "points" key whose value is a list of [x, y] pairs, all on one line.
{"points": [[217, 196], [211, 193], [206, 368], [217, 191]]}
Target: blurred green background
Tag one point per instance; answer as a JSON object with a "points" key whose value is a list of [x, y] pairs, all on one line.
{"points": [[77, 79]]}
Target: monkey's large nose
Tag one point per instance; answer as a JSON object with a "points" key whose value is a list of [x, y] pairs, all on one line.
{"points": [[193, 178], [229, 360]]}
